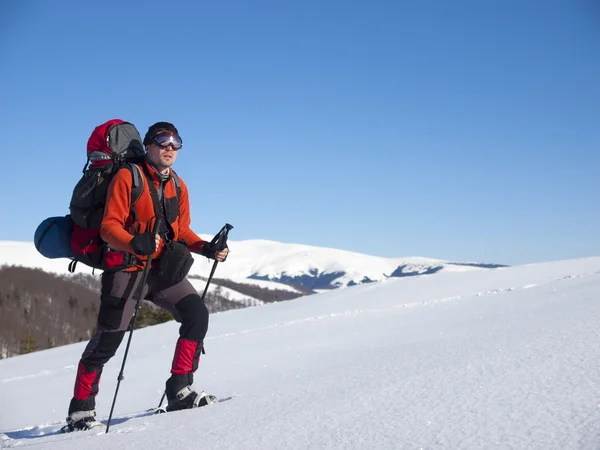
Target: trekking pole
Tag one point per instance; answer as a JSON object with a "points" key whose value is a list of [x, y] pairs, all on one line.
{"points": [[219, 242], [137, 306]]}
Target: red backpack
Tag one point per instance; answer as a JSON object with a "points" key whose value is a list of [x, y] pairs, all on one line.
{"points": [[112, 145]]}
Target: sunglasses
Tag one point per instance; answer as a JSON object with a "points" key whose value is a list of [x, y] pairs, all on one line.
{"points": [[166, 139]]}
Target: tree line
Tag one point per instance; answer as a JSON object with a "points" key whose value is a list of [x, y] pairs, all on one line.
{"points": [[41, 310]]}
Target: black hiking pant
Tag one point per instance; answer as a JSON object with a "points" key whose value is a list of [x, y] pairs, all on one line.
{"points": [[117, 305]]}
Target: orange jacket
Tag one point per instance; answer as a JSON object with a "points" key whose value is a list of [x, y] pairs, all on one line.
{"points": [[122, 221]]}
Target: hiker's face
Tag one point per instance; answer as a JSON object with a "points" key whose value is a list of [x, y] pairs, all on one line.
{"points": [[162, 157]]}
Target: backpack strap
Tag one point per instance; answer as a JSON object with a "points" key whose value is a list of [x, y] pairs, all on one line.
{"points": [[138, 183], [155, 201], [177, 185], [137, 186]]}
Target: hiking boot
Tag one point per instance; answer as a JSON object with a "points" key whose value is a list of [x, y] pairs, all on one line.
{"points": [[82, 420], [187, 398]]}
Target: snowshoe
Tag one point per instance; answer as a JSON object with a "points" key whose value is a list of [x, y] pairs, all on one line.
{"points": [[187, 398], [80, 421]]}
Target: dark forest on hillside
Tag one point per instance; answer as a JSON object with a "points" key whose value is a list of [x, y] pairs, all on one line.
{"points": [[40, 310]]}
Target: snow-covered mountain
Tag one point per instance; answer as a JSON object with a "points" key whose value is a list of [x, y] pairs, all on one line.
{"points": [[325, 268], [262, 260], [503, 359]]}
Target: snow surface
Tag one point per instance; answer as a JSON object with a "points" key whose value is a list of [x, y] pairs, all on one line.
{"points": [[229, 294], [271, 285], [505, 358]]}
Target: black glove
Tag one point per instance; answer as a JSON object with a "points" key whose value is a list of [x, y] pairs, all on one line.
{"points": [[144, 244], [209, 251]]}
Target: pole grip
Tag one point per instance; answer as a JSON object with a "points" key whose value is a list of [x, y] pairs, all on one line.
{"points": [[219, 242]]}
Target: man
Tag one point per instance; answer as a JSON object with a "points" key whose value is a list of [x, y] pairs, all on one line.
{"points": [[128, 228]]}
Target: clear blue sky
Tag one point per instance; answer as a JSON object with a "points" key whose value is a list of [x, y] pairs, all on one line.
{"points": [[463, 130]]}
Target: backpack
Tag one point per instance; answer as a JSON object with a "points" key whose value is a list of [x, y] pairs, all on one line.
{"points": [[113, 145]]}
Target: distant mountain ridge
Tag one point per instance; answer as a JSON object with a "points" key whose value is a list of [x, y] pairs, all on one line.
{"points": [[277, 264]]}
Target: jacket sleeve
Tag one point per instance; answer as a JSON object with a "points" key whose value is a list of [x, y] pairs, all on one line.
{"points": [[116, 212], [194, 242]]}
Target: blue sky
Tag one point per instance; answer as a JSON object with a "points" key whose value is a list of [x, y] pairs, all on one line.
{"points": [[462, 130]]}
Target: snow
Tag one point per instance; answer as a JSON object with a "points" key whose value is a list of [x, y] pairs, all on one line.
{"points": [[262, 258], [25, 254], [505, 358], [229, 294], [274, 259], [271, 285]]}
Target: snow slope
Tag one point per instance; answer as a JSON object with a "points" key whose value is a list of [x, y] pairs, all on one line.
{"points": [[506, 358], [229, 294], [277, 261]]}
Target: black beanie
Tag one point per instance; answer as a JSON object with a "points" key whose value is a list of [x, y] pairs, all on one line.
{"points": [[158, 127]]}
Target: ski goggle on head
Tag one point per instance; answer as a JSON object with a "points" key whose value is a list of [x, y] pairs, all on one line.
{"points": [[165, 139]]}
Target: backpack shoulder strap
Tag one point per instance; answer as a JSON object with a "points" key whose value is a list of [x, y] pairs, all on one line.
{"points": [[137, 185], [177, 183], [175, 179], [138, 182]]}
